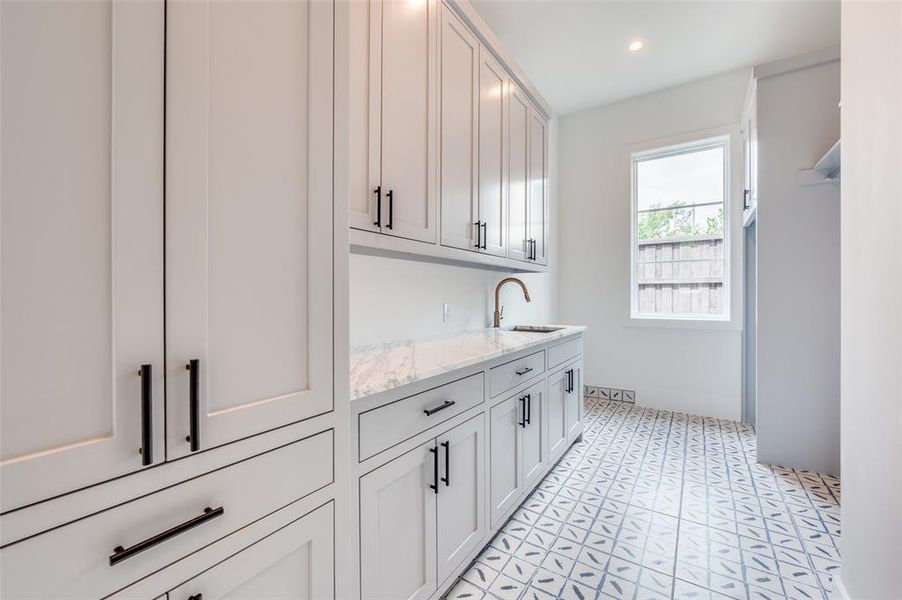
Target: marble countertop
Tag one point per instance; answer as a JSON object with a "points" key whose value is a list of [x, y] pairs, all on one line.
{"points": [[382, 367]]}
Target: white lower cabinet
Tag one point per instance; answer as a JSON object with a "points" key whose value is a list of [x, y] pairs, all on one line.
{"points": [[461, 506], [504, 471], [518, 456], [573, 405], [422, 514], [293, 563], [557, 408]]}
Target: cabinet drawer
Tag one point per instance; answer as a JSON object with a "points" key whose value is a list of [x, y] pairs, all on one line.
{"points": [[506, 376], [74, 561], [383, 427], [564, 351]]}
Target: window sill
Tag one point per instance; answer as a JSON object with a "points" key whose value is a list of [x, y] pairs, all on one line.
{"points": [[718, 324]]}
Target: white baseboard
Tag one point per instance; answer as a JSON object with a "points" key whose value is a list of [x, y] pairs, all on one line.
{"points": [[840, 589]]}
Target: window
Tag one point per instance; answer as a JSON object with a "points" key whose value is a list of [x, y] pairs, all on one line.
{"points": [[680, 252]]}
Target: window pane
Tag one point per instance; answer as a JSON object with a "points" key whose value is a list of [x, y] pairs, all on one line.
{"points": [[680, 234]]}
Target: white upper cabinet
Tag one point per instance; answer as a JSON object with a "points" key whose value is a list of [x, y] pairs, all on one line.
{"points": [[82, 244], [519, 247], [393, 147], [538, 187], [459, 84], [492, 155], [440, 131], [248, 218]]}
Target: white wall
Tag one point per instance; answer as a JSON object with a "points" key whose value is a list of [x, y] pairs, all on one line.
{"points": [[872, 299], [393, 299], [798, 272], [695, 369]]}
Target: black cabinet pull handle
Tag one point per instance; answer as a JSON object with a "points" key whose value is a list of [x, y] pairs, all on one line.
{"points": [[193, 437], [569, 384], [528, 409], [522, 372], [745, 198], [196, 597], [478, 234], [522, 422], [532, 249], [391, 207], [119, 553], [146, 373], [485, 234], [434, 485], [378, 192], [431, 411], [447, 477]]}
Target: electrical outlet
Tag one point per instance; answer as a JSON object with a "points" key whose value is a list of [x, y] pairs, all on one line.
{"points": [[446, 312]]}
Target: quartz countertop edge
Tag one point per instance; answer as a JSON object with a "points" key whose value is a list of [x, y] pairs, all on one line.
{"points": [[380, 367]]}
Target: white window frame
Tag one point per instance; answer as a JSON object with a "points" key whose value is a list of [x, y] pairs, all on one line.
{"points": [[707, 143]]}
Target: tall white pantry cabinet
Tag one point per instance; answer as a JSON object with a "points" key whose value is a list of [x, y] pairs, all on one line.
{"points": [[167, 218]]}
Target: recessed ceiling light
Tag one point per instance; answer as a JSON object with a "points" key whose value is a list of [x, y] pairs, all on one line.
{"points": [[635, 45]]}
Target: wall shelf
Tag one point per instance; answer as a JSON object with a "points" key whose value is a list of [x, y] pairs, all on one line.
{"points": [[826, 170]]}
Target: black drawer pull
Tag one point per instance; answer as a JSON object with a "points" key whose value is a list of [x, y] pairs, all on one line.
{"points": [[378, 192], [447, 477], [522, 422], [485, 235], [391, 208], [522, 372], [193, 437], [146, 415], [528, 417], [434, 485], [431, 411], [119, 553], [196, 597], [478, 234]]}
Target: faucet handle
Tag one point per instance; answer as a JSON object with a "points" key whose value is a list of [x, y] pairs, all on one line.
{"points": [[501, 314]]}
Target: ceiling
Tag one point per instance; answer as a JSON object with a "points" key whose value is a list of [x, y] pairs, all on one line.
{"points": [[576, 51]]}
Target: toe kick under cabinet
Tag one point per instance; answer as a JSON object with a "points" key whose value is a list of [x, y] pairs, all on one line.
{"points": [[442, 462], [161, 360]]}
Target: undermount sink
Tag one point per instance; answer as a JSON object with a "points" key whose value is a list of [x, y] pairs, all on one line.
{"points": [[535, 328]]}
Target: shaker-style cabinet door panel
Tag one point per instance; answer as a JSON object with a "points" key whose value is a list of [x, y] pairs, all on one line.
{"points": [[459, 65], [406, 32], [82, 244], [296, 562], [557, 420], [533, 459], [398, 527], [518, 174], [248, 218], [574, 404], [505, 420], [462, 523], [538, 187], [492, 154]]}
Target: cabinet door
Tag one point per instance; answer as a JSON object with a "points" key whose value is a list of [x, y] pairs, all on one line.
{"points": [[532, 450], [459, 65], [461, 496], [504, 456], [82, 242], [407, 32], [492, 154], [249, 217], [573, 411], [538, 186], [362, 129], [557, 420], [518, 173], [294, 563], [398, 526]]}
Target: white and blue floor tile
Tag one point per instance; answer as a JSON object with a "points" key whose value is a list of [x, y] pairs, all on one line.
{"points": [[653, 504]]}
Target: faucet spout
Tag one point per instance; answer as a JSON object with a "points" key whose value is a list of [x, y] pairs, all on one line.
{"points": [[496, 321]]}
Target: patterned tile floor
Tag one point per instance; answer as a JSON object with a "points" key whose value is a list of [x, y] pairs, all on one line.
{"points": [[653, 504]]}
